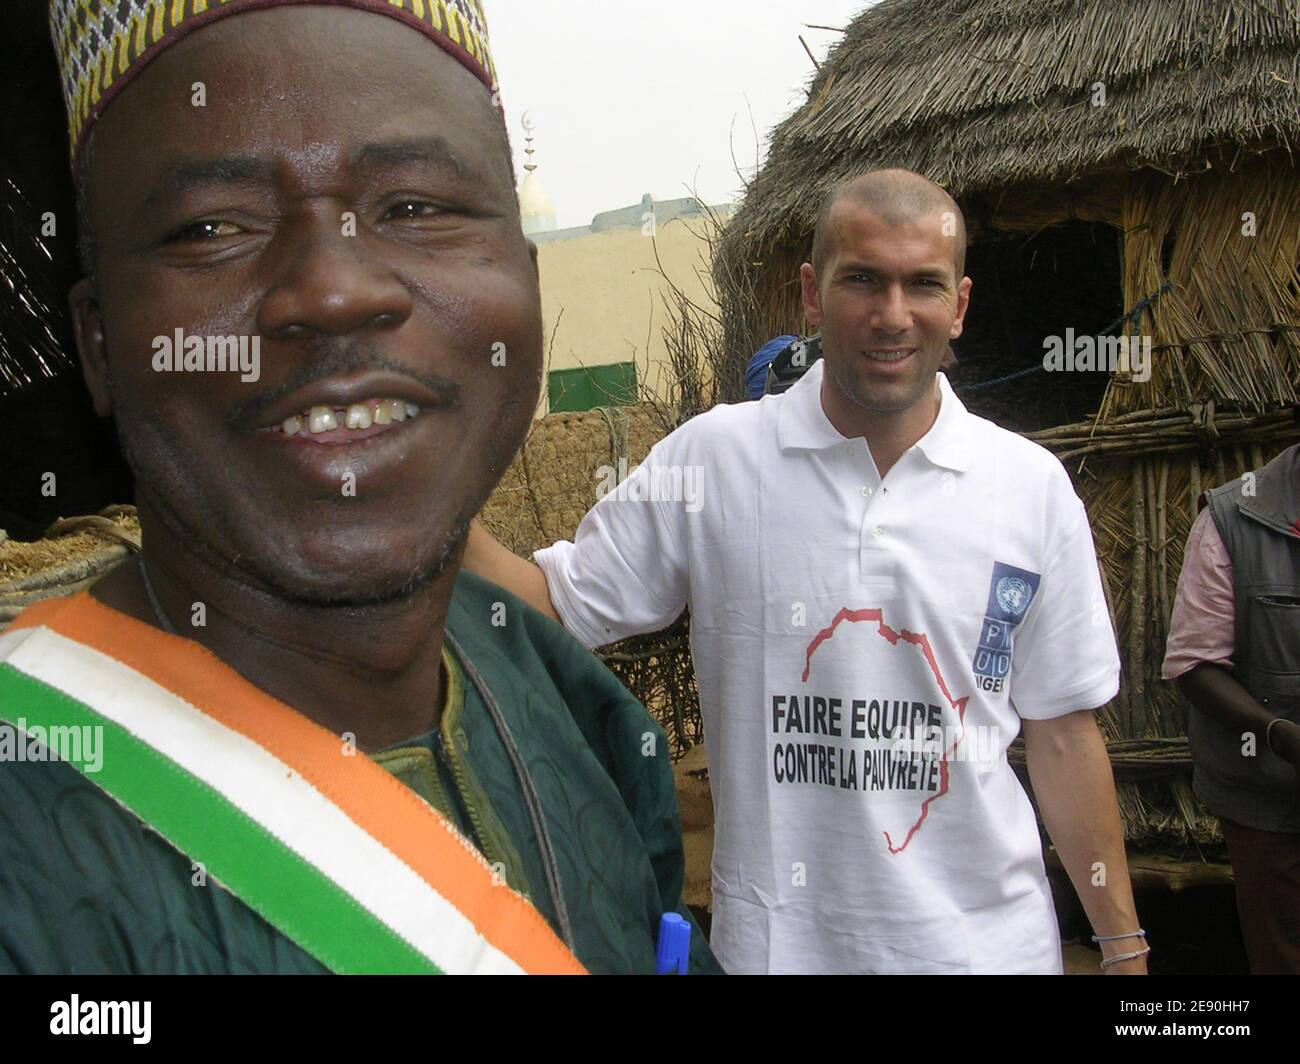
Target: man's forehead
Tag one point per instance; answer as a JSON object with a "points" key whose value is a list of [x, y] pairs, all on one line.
{"points": [[312, 63], [256, 120], [178, 173], [862, 220], [860, 232]]}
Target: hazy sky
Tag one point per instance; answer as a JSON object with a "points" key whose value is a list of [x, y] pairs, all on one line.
{"points": [[629, 97]]}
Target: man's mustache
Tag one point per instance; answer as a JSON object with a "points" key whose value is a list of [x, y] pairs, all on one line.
{"points": [[337, 358]]}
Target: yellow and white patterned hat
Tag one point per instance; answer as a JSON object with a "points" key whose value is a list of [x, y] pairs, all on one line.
{"points": [[103, 44]]}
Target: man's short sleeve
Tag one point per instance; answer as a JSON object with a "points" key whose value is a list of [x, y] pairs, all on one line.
{"points": [[626, 570], [1203, 624], [1065, 658]]}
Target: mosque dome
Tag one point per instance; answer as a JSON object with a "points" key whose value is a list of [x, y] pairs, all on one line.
{"points": [[536, 208]]}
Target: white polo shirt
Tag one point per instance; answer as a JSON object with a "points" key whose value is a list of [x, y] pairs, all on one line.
{"points": [[865, 650]]}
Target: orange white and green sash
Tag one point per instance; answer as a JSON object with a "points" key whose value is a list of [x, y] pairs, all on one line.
{"points": [[330, 849]]}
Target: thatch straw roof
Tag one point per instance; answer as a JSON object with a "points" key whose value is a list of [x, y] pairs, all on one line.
{"points": [[980, 94]]}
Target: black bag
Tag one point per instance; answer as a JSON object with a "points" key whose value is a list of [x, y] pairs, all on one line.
{"points": [[791, 364]]}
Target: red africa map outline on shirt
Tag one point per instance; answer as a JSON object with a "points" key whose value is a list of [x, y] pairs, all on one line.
{"points": [[917, 639]]}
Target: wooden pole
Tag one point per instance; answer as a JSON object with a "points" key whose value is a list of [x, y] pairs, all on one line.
{"points": [[1162, 545], [1137, 685]]}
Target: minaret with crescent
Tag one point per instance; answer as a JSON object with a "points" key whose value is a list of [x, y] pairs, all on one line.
{"points": [[536, 208]]}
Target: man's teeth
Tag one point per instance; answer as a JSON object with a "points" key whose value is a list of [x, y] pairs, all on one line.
{"points": [[357, 416], [321, 419], [888, 356]]}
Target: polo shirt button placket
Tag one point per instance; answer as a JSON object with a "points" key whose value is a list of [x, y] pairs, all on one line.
{"points": [[871, 538]]}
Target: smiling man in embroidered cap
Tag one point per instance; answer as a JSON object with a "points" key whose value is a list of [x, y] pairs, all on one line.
{"points": [[294, 658]]}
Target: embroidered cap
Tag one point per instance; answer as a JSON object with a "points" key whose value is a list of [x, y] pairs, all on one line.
{"points": [[102, 44]]}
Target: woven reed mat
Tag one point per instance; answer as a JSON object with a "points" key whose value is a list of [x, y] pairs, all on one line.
{"points": [[73, 554]]}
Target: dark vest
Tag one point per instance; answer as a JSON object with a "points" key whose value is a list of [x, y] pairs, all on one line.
{"points": [[1261, 532]]}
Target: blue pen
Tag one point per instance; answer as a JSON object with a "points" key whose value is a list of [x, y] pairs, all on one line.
{"points": [[673, 950]]}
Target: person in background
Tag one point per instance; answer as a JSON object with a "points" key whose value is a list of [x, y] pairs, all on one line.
{"points": [[756, 370], [1234, 651]]}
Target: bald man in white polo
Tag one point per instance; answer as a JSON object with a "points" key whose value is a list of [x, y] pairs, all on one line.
{"points": [[884, 591]]}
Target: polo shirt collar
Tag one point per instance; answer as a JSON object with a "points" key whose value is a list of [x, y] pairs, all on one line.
{"points": [[802, 423]]}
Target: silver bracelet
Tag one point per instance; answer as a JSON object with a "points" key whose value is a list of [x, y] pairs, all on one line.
{"points": [[1139, 933], [1119, 958]]}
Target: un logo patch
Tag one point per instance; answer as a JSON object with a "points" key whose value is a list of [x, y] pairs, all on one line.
{"points": [[1013, 595], [1011, 590]]}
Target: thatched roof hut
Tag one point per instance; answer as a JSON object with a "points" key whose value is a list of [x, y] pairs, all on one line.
{"points": [[1125, 167]]}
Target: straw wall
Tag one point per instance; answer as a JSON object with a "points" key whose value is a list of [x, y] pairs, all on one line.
{"points": [[547, 489], [1227, 245], [1140, 479]]}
